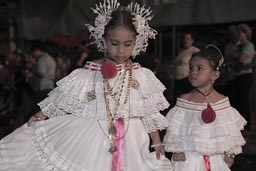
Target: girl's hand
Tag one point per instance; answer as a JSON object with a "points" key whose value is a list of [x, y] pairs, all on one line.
{"points": [[37, 117], [229, 159], [159, 151], [156, 144], [179, 156]]}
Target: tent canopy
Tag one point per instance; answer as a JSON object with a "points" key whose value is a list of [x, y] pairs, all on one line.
{"points": [[41, 19], [193, 12]]}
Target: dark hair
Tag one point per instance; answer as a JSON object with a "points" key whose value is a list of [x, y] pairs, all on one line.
{"points": [[120, 17], [245, 29], [215, 58], [188, 33]]}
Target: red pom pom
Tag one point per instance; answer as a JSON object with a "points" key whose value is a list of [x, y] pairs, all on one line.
{"points": [[208, 115], [108, 70]]}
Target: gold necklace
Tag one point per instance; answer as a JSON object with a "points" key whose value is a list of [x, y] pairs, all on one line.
{"points": [[108, 93]]}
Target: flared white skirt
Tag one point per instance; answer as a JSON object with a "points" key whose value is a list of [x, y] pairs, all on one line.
{"points": [[71, 143]]}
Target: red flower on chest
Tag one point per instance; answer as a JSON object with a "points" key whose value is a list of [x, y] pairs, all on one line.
{"points": [[108, 70]]}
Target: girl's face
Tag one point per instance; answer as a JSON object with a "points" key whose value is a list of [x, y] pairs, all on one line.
{"points": [[120, 42], [201, 74]]}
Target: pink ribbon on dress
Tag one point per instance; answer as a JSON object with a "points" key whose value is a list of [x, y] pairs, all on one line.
{"points": [[207, 162], [118, 156]]}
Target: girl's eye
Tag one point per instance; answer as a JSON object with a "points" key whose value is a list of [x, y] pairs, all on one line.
{"points": [[190, 68], [128, 43], [114, 43], [200, 68], [195, 68]]}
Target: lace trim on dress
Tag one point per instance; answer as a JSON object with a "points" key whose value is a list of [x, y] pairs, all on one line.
{"points": [[155, 122], [154, 103], [232, 144], [58, 104]]}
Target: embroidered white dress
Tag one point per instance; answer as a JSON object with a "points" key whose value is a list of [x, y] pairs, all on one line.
{"points": [[74, 138], [189, 134]]}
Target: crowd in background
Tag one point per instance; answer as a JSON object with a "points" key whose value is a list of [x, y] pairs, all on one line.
{"points": [[21, 71], [27, 77]]}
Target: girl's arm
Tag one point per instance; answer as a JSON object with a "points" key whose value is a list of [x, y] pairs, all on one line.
{"points": [[157, 145]]}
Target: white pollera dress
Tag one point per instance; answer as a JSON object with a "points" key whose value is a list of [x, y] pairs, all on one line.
{"points": [[75, 137], [189, 134]]}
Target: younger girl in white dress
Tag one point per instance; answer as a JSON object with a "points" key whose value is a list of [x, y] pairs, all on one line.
{"points": [[99, 116], [204, 130]]}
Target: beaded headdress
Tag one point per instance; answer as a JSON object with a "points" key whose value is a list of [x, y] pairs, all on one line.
{"points": [[141, 16]]}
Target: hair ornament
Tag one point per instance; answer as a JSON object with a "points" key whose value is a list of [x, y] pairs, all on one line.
{"points": [[221, 60], [103, 11], [141, 17]]}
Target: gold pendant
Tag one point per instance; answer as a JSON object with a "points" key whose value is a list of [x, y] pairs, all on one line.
{"points": [[135, 84], [91, 95], [125, 115], [116, 98], [112, 128], [112, 148]]}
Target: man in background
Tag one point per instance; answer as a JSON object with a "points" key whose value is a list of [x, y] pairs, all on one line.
{"points": [[43, 74]]}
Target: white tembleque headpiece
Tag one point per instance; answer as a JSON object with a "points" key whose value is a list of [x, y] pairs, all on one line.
{"points": [[141, 17]]}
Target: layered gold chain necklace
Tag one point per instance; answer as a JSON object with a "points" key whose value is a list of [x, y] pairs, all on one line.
{"points": [[116, 96]]}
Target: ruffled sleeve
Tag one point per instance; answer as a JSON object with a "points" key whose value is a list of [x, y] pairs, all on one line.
{"points": [[150, 93], [155, 122], [187, 131], [65, 99]]}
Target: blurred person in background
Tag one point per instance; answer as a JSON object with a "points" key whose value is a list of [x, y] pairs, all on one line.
{"points": [[181, 63], [43, 74], [231, 53], [244, 76]]}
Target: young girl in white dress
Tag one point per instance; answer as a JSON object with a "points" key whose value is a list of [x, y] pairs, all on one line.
{"points": [[99, 117], [204, 130]]}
